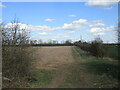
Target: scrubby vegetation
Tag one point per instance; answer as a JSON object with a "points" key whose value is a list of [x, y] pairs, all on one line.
{"points": [[91, 72], [113, 51], [99, 49], [16, 56], [41, 77]]}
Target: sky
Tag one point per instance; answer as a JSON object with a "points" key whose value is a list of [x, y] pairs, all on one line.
{"points": [[64, 20]]}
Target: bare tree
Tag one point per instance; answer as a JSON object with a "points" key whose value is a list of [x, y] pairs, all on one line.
{"points": [[15, 59], [13, 34]]}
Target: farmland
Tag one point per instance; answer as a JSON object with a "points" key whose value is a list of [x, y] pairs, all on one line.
{"points": [[70, 67], [60, 44]]}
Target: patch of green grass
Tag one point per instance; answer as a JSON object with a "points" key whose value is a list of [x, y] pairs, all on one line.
{"points": [[71, 78], [105, 71], [100, 66], [113, 51], [42, 77], [70, 81], [81, 53]]}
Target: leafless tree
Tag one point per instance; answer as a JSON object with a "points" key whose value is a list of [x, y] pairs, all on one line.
{"points": [[13, 34], [16, 59]]}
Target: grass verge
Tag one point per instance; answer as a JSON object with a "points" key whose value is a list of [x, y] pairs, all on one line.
{"points": [[41, 77], [113, 52], [91, 72]]}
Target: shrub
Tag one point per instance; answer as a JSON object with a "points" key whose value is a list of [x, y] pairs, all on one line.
{"points": [[16, 61], [15, 50], [98, 49]]}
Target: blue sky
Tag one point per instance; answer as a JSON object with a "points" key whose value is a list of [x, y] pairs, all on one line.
{"points": [[64, 20]]}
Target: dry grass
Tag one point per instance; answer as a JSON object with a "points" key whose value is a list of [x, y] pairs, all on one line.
{"points": [[52, 57], [16, 64]]}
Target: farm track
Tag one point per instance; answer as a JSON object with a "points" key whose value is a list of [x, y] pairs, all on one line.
{"points": [[54, 58], [61, 59]]}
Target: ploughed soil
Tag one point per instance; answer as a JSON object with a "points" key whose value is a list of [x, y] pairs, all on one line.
{"points": [[53, 57], [60, 59]]}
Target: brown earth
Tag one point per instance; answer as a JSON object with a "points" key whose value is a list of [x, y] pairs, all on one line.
{"points": [[56, 58], [60, 59], [53, 57]]}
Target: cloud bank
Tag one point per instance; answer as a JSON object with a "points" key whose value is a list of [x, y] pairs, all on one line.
{"points": [[101, 3], [94, 27]]}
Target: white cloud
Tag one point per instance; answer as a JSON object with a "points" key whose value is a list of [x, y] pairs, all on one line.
{"points": [[72, 26], [64, 36], [40, 28], [75, 25], [95, 30], [1, 5], [31, 27], [101, 3], [11, 25], [72, 15], [111, 28], [101, 31], [81, 21], [49, 20], [38, 37], [108, 8], [43, 33], [97, 24]]}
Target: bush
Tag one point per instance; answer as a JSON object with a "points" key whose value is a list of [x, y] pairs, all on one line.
{"points": [[68, 42], [98, 49], [16, 61], [15, 51]]}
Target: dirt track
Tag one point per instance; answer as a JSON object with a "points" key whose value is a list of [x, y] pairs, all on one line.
{"points": [[53, 57], [57, 58], [60, 58]]}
